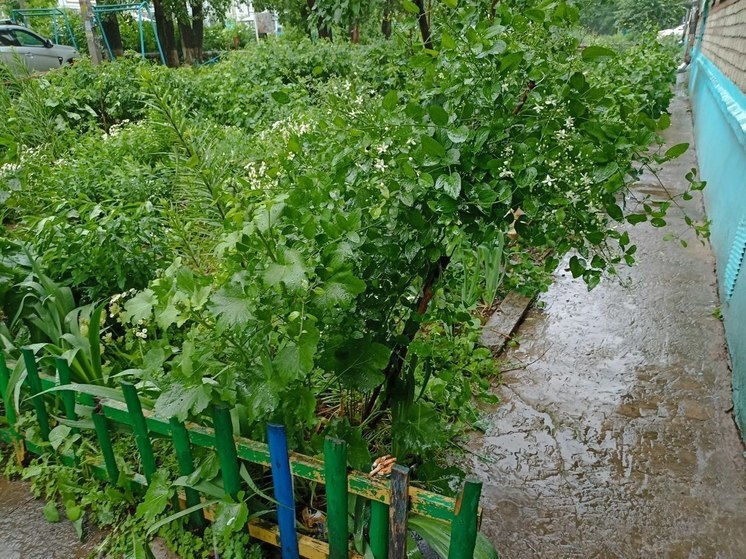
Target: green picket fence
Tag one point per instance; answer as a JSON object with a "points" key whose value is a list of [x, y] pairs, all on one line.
{"points": [[391, 500]]}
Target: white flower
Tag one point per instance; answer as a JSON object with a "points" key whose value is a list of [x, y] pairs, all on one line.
{"points": [[586, 180], [379, 165], [570, 122], [505, 87], [508, 151], [549, 181], [506, 173], [561, 134]]}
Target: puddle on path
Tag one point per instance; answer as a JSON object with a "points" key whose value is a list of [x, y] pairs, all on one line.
{"points": [[615, 440], [26, 534]]}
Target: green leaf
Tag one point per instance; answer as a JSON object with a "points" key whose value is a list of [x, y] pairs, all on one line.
{"points": [[58, 435], [156, 498], [450, 184], [291, 272], [447, 42], [50, 512], [140, 307], [390, 100], [179, 400], [438, 115], [230, 518], [634, 219], [91, 389], [231, 306], [153, 528], [510, 60], [577, 267], [342, 287], [294, 362], [281, 97], [459, 135], [431, 146], [595, 51], [451, 3], [676, 151], [410, 6]]}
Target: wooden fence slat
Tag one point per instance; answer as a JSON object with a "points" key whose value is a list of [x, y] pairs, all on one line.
{"points": [[398, 512], [68, 396], [180, 438], [226, 448], [140, 428], [282, 481], [34, 383], [101, 426], [464, 527], [422, 501], [379, 530], [335, 472], [10, 412]]}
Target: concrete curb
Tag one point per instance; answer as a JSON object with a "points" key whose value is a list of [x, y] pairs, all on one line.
{"points": [[505, 321]]}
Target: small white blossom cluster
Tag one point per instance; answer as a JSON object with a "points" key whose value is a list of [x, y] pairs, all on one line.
{"points": [[115, 305], [115, 129]]}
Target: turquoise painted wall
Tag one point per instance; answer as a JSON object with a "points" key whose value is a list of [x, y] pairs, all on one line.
{"points": [[719, 111]]}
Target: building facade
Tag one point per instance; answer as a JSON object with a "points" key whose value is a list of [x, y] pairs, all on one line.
{"points": [[717, 84]]}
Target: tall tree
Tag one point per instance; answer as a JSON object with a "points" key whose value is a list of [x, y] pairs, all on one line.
{"points": [[110, 26], [164, 23], [636, 15], [386, 19]]}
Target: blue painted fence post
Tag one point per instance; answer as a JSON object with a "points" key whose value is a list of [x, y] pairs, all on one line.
{"points": [[283, 484]]}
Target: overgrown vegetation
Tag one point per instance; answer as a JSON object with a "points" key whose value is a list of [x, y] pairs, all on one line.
{"points": [[304, 231]]}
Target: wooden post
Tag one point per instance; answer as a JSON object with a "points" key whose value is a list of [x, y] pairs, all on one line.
{"points": [[10, 412], [282, 480], [379, 529], [140, 428], [398, 512], [180, 438], [85, 14], [335, 474], [34, 383], [464, 527], [226, 447]]}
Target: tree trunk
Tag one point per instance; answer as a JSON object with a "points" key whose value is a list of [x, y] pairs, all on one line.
{"points": [[427, 39], [386, 23], [85, 12], [198, 29], [110, 25], [186, 43], [355, 33], [165, 25], [192, 34]]}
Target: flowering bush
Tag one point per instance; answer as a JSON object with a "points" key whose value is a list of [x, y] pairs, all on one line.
{"points": [[299, 221]]}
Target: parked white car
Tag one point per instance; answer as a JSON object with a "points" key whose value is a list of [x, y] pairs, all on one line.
{"points": [[20, 45]]}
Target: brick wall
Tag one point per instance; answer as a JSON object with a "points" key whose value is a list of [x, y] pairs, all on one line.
{"points": [[724, 41]]}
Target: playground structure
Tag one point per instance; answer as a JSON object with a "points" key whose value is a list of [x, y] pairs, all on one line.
{"points": [[140, 8], [23, 15]]}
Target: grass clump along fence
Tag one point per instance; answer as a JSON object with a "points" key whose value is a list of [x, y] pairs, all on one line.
{"points": [[304, 232]]}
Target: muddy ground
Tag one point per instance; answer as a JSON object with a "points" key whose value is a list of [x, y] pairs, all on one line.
{"points": [[615, 438]]}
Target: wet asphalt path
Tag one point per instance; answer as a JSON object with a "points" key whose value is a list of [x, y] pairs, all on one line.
{"points": [[615, 437]]}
